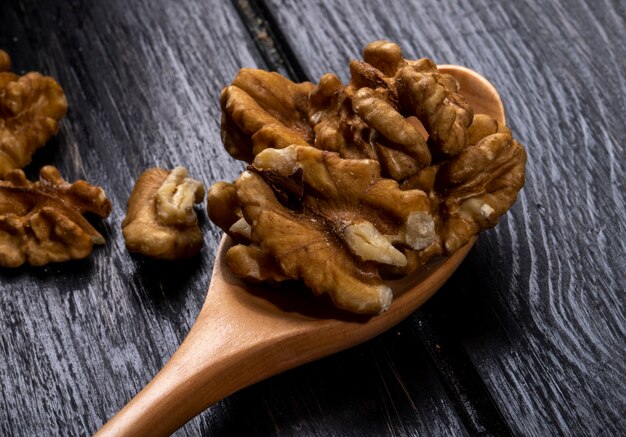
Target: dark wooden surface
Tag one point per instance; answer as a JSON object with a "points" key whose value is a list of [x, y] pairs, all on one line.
{"points": [[527, 338]]}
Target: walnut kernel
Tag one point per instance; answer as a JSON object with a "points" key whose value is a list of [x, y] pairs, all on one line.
{"points": [[5, 61], [329, 221], [30, 109], [160, 219], [42, 222]]}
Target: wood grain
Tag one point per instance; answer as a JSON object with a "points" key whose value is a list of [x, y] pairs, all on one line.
{"points": [[539, 304], [245, 334], [80, 339]]}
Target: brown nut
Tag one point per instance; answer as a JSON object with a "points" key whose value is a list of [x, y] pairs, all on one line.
{"points": [[30, 109], [160, 219], [435, 100], [471, 191], [222, 205], [254, 263], [406, 115], [5, 61], [247, 259], [374, 117], [364, 123], [328, 221], [42, 222], [261, 110]]}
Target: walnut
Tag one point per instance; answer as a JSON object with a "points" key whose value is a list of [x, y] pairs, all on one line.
{"points": [[472, 190], [254, 263], [30, 109], [160, 219], [5, 61], [329, 221], [378, 115], [406, 115], [261, 110], [437, 103], [42, 222], [364, 124]]}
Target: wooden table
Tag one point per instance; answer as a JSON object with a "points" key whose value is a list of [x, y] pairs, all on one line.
{"points": [[527, 338]]}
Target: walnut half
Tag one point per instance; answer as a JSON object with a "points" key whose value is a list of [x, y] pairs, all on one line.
{"points": [[42, 222], [30, 109], [311, 215], [160, 219]]}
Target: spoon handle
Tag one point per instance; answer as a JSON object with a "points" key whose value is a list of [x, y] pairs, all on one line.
{"points": [[229, 347], [239, 339], [196, 376]]}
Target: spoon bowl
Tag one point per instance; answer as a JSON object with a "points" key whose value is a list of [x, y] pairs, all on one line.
{"points": [[245, 333]]}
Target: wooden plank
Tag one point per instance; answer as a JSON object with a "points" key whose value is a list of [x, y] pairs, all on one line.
{"points": [[539, 304], [142, 81], [80, 339]]}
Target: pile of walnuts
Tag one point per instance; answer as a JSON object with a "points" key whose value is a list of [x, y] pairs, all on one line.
{"points": [[43, 222], [343, 187], [346, 184]]}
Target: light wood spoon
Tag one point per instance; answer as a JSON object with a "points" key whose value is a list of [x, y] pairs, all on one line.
{"points": [[244, 334]]}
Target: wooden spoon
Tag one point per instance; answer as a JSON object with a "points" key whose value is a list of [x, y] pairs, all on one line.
{"points": [[244, 334]]}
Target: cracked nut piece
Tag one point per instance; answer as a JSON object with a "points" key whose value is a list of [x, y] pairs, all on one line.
{"points": [[469, 192], [261, 110], [30, 109], [379, 115], [435, 99], [5, 61], [160, 219], [328, 221], [42, 222]]}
